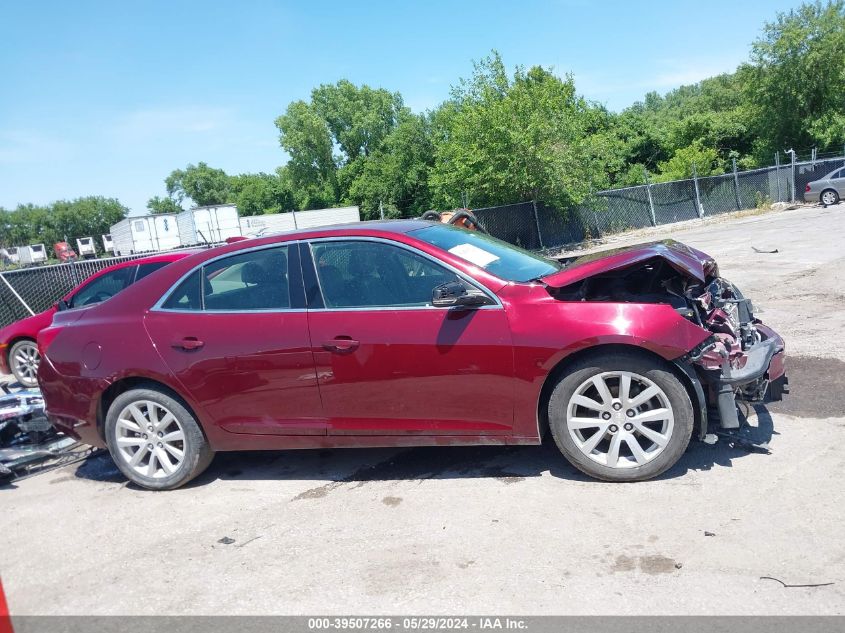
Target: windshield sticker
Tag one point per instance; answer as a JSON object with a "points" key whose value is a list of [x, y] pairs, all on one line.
{"points": [[473, 254]]}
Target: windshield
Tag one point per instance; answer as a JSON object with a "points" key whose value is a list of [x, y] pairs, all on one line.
{"points": [[495, 256]]}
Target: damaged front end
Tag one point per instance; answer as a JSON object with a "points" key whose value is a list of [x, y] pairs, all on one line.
{"points": [[742, 359]]}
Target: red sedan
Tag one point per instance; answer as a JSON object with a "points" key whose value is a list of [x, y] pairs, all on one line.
{"points": [[18, 350], [408, 333]]}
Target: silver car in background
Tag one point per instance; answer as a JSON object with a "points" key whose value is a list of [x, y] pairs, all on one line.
{"points": [[829, 190]]}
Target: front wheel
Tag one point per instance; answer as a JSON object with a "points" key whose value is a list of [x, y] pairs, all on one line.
{"points": [[155, 440], [23, 361], [621, 417]]}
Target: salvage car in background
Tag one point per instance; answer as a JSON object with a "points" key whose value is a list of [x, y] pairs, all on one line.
{"points": [[18, 349], [408, 333], [828, 190]]}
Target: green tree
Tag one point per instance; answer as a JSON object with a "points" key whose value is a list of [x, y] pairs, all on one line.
{"points": [[503, 140], [395, 177], [256, 194], [795, 81], [89, 216], [356, 120], [163, 204], [311, 170], [680, 166], [204, 185]]}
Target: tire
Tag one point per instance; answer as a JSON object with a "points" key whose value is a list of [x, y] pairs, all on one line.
{"points": [[829, 197], [590, 440], [126, 436], [23, 361]]}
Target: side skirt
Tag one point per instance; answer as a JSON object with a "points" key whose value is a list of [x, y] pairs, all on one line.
{"points": [[244, 442]]}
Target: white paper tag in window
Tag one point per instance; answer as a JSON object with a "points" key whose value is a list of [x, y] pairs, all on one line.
{"points": [[473, 254]]}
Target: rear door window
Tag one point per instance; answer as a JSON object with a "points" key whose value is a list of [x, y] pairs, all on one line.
{"points": [[255, 280]]}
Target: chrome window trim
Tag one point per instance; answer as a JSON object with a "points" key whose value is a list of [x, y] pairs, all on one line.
{"points": [[497, 305], [157, 306]]}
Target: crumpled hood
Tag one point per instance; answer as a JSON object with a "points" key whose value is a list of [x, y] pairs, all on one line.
{"points": [[683, 258]]}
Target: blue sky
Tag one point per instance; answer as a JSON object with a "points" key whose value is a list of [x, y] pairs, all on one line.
{"points": [[107, 98]]}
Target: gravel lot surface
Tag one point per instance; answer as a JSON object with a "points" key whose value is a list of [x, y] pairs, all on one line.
{"points": [[485, 530]]}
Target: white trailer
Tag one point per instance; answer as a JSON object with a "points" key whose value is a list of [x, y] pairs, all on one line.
{"points": [[144, 233], [108, 245], [165, 230], [10, 255], [206, 225], [85, 247], [277, 222], [32, 254]]}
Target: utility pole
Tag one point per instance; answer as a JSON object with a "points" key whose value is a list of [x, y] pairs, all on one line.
{"points": [[698, 208], [381, 210], [792, 151], [650, 201], [537, 224], [736, 186], [777, 173]]}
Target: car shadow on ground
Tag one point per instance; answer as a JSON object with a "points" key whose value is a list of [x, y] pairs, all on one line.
{"points": [[509, 464]]}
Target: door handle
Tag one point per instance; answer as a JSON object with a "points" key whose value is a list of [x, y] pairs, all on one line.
{"points": [[189, 343], [341, 345]]}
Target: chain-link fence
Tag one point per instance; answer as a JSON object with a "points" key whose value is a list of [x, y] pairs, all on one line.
{"points": [[537, 226]]}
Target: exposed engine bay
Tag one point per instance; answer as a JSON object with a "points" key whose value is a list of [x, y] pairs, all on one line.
{"points": [[733, 363]]}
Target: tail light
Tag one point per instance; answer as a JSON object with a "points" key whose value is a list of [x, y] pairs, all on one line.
{"points": [[807, 188]]}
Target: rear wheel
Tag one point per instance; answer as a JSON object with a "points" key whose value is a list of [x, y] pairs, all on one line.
{"points": [[829, 196], [23, 361], [621, 417], [154, 440]]}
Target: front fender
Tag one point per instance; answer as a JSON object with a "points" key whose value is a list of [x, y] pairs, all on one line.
{"points": [[546, 331]]}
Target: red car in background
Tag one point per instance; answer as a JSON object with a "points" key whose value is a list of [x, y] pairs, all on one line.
{"points": [[409, 333], [18, 350]]}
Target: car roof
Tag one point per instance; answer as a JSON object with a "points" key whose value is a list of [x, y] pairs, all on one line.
{"points": [[378, 226], [374, 228]]}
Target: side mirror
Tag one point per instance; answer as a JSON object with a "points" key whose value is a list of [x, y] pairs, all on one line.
{"points": [[62, 305], [454, 293]]}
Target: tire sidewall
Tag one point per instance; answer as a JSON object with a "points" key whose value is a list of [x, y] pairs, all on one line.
{"points": [[197, 452], [835, 196], [656, 371]]}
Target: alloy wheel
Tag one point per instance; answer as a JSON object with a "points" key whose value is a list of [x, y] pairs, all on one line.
{"points": [[150, 439], [620, 419], [25, 362], [828, 197]]}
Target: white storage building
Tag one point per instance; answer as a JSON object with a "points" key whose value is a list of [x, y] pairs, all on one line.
{"points": [[206, 225], [253, 225]]}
